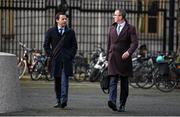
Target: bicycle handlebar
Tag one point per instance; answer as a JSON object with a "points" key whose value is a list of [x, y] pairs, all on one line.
{"points": [[29, 49]]}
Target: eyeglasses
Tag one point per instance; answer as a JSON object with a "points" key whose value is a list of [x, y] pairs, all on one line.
{"points": [[116, 15]]}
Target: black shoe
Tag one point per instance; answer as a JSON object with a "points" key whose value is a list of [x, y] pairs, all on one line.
{"points": [[58, 105], [122, 109], [63, 105], [112, 106]]}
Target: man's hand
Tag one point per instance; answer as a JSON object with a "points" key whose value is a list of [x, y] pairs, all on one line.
{"points": [[125, 55]]}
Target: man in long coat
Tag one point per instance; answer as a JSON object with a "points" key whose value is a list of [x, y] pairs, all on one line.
{"points": [[122, 42], [60, 46]]}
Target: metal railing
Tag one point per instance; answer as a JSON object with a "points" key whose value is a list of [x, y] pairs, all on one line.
{"points": [[27, 21]]}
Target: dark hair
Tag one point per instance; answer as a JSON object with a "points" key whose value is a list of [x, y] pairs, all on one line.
{"points": [[58, 14], [122, 12]]}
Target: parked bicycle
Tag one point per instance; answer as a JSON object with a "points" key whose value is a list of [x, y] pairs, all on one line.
{"points": [[137, 64], [39, 68], [99, 67], [83, 67], [169, 75], [34, 63], [148, 72], [25, 62], [145, 70]]}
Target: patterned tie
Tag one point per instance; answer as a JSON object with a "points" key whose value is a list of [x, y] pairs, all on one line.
{"points": [[118, 29]]}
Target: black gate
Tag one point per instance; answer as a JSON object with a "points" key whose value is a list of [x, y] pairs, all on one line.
{"points": [[27, 21], [154, 20]]}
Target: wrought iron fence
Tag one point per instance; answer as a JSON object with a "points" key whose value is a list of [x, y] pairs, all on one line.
{"points": [[24, 21], [28, 20]]}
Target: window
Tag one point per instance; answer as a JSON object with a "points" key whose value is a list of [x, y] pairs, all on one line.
{"points": [[6, 21], [148, 21]]}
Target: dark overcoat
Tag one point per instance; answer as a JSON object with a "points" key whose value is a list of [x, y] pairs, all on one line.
{"points": [[65, 56], [117, 45]]}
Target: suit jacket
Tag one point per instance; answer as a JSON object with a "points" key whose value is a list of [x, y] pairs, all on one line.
{"points": [[117, 45], [67, 51]]}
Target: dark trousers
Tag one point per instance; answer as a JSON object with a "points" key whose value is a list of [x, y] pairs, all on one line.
{"points": [[124, 89], [57, 82], [61, 88]]}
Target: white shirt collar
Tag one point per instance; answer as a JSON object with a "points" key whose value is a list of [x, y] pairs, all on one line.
{"points": [[60, 27], [122, 24], [63, 29]]}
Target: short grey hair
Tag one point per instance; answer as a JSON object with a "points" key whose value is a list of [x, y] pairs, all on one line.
{"points": [[122, 12]]}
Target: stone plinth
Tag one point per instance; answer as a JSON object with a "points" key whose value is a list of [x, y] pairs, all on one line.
{"points": [[10, 93]]}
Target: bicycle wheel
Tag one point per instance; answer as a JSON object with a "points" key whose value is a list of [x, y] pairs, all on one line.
{"points": [[132, 82], [134, 79], [80, 73], [36, 71], [145, 79], [21, 68], [94, 75], [165, 84], [49, 76], [145, 82]]}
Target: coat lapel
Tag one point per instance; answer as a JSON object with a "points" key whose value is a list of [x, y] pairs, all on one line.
{"points": [[125, 28], [114, 32], [56, 31]]}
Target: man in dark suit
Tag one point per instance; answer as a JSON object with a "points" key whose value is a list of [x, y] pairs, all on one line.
{"points": [[122, 42], [60, 46]]}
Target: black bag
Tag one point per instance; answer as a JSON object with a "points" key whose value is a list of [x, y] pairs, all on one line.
{"points": [[104, 82], [163, 68]]}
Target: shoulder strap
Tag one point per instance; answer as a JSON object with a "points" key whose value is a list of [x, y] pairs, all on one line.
{"points": [[58, 47]]}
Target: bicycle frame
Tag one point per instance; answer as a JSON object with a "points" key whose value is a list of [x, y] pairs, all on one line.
{"points": [[25, 60]]}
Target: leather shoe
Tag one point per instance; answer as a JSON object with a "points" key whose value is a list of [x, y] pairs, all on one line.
{"points": [[112, 106], [63, 105], [58, 105], [122, 109]]}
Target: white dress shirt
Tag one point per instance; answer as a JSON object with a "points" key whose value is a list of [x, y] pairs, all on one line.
{"points": [[61, 28], [120, 27]]}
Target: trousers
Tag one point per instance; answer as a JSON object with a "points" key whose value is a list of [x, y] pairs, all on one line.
{"points": [[61, 87], [124, 89]]}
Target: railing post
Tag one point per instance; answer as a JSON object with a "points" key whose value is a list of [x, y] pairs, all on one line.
{"points": [[164, 30], [171, 24]]}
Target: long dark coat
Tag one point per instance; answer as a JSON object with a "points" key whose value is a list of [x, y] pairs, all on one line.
{"points": [[117, 45], [67, 52]]}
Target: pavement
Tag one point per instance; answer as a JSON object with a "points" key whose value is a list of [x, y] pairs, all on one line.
{"points": [[87, 99]]}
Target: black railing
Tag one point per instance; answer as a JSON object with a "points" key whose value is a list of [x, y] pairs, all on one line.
{"points": [[27, 21]]}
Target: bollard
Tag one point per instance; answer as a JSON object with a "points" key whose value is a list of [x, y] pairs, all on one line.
{"points": [[10, 93]]}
